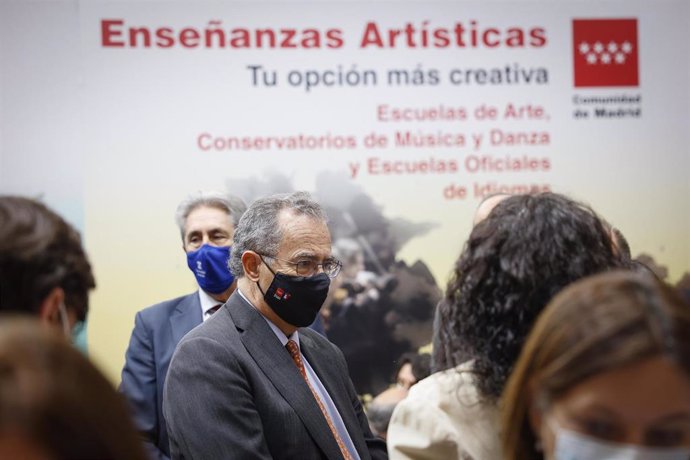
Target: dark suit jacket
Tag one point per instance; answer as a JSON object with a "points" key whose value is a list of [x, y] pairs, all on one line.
{"points": [[233, 392], [157, 331]]}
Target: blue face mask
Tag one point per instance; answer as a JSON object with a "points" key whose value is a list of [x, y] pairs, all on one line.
{"points": [[76, 333], [210, 267]]}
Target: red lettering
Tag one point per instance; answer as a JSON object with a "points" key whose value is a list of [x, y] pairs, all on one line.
{"points": [[139, 31], [202, 141], [373, 165], [108, 33], [334, 38], [311, 38], [516, 37], [441, 38], [189, 38], [240, 38], [392, 36], [218, 33], [288, 38], [165, 37], [371, 36], [269, 33], [409, 36], [486, 39], [538, 37], [382, 112]]}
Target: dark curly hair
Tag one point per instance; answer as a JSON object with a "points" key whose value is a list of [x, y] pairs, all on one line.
{"points": [[39, 251], [514, 262]]}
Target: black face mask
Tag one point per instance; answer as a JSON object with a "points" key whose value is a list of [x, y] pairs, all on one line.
{"points": [[296, 299]]}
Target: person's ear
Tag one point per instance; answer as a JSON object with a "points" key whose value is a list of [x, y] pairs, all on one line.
{"points": [[49, 311], [251, 263]]}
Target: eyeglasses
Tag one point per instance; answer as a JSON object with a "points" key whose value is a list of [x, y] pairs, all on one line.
{"points": [[306, 267]]}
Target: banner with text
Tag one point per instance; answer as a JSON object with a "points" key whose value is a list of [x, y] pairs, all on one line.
{"points": [[398, 116]]}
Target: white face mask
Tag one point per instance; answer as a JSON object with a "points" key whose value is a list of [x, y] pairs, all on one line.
{"points": [[571, 445], [64, 319]]}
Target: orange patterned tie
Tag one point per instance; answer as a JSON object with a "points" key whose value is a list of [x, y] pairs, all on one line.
{"points": [[293, 349]]}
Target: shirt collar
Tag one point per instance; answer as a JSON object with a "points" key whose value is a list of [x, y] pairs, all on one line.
{"points": [[207, 302], [276, 330]]}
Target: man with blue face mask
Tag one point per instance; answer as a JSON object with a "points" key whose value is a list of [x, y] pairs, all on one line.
{"points": [[207, 224], [254, 381]]}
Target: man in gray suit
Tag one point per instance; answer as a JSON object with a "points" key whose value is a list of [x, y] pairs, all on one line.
{"points": [[253, 381], [207, 223]]}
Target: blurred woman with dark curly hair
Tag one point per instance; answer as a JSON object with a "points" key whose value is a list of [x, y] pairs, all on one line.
{"points": [[527, 249]]}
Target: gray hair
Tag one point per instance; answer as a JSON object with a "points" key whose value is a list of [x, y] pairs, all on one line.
{"points": [[259, 231], [231, 204], [379, 417]]}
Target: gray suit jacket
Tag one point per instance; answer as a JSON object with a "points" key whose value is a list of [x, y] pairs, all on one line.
{"points": [[233, 392], [157, 331]]}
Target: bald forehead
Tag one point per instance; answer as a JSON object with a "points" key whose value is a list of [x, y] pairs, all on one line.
{"points": [[486, 206], [303, 235]]}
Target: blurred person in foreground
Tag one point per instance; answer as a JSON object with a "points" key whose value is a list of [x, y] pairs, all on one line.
{"points": [[526, 250], [380, 409], [412, 367], [206, 222], [604, 374], [54, 404], [44, 271], [253, 381]]}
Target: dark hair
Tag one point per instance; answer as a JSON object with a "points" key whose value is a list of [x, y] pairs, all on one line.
{"points": [[39, 251], [620, 243], [514, 262], [52, 396], [596, 325], [420, 363]]}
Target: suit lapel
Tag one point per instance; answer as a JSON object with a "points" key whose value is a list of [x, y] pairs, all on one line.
{"points": [[331, 378], [185, 317], [275, 362]]}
